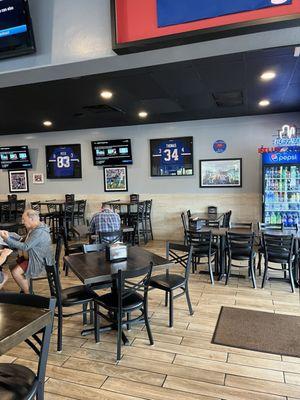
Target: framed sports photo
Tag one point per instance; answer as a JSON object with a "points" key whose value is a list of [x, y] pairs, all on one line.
{"points": [[63, 161], [115, 179], [18, 181], [226, 172]]}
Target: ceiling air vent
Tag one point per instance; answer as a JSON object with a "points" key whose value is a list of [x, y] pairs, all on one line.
{"points": [[228, 99], [102, 109]]}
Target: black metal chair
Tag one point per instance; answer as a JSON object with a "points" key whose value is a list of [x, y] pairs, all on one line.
{"points": [[262, 226], [69, 297], [125, 298], [138, 222], [241, 225], [110, 237], [148, 223], [278, 249], [69, 198], [18, 382], [202, 242], [180, 255], [79, 212], [226, 219], [185, 226], [73, 248], [240, 248], [68, 216]]}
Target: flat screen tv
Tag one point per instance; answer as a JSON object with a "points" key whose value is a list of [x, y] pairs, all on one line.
{"points": [[172, 156], [112, 152], [16, 33], [14, 157], [63, 161]]}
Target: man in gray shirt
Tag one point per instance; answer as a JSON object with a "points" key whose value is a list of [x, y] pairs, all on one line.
{"points": [[36, 249]]}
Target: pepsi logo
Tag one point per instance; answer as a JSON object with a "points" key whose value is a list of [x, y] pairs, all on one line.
{"points": [[274, 157]]}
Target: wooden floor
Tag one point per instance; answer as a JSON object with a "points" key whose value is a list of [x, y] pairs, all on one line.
{"points": [[182, 364]]}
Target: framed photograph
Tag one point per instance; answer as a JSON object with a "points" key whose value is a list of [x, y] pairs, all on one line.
{"points": [[164, 23], [115, 179], [18, 181], [38, 178], [226, 172]]}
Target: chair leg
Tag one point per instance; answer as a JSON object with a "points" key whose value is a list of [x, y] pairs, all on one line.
{"points": [[148, 325], [128, 319], [30, 286], [265, 275], [84, 313], [40, 391], [252, 263], [151, 231], [291, 278], [188, 300], [166, 299], [59, 329], [259, 263], [119, 336], [210, 271], [171, 309], [91, 308], [228, 270], [96, 323]]}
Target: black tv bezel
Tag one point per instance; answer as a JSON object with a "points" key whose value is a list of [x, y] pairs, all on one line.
{"points": [[19, 166], [47, 162], [30, 48], [110, 165], [171, 138]]}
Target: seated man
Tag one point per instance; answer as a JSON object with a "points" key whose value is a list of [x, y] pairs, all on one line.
{"points": [[4, 253], [36, 248], [105, 221]]}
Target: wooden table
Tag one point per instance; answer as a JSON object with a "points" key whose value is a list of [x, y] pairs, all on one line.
{"points": [[92, 268], [19, 323], [207, 216]]}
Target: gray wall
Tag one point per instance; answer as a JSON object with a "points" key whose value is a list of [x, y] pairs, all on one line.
{"points": [[243, 136]]}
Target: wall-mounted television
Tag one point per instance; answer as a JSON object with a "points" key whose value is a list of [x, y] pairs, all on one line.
{"points": [[63, 161], [172, 156], [16, 33], [112, 152], [14, 157]]}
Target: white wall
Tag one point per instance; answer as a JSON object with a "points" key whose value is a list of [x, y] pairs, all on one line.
{"points": [[243, 136]]}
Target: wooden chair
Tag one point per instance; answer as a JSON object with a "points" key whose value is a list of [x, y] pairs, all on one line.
{"points": [[17, 381]]}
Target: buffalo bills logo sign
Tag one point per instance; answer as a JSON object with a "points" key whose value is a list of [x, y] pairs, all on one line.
{"points": [[219, 146]]}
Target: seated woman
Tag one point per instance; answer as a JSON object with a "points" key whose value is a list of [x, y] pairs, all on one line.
{"points": [[4, 253], [36, 248]]}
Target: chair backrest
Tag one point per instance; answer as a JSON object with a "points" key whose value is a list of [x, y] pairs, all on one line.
{"points": [[189, 214], [53, 270], [240, 242], [134, 198], [226, 219], [212, 210], [110, 237], [148, 208], [81, 207], [70, 198], [213, 224], [278, 248], [180, 254], [91, 248], [21, 205], [40, 346], [200, 240], [184, 222], [242, 225], [52, 207], [36, 206], [262, 226], [69, 209], [12, 197]]}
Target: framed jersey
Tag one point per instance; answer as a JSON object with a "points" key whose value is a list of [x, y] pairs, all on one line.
{"points": [[63, 161], [172, 156]]}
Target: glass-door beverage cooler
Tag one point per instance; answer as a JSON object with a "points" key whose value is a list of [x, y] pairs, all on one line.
{"points": [[281, 187]]}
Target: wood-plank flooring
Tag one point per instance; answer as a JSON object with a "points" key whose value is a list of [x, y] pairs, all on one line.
{"points": [[182, 364]]}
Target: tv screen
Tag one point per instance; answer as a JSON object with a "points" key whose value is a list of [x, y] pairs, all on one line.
{"points": [[63, 161], [112, 152], [172, 156], [16, 34], [14, 157]]}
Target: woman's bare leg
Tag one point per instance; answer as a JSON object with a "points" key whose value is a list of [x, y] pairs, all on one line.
{"points": [[5, 278], [19, 277]]}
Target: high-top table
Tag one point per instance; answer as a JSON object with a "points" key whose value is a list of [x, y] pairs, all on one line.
{"points": [[19, 323]]}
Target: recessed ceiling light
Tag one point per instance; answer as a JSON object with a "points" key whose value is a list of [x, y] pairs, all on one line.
{"points": [[143, 114], [268, 75], [106, 94], [47, 123], [264, 103]]}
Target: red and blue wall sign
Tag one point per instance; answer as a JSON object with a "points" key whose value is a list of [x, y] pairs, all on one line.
{"points": [[140, 25], [219, 146]]}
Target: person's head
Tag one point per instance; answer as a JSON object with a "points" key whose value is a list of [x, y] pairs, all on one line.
{"points": [[106, 208], [30, 218]]}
